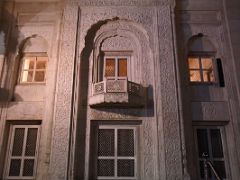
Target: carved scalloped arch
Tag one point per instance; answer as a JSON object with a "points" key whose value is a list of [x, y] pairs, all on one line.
{"points": [[131, 31]]}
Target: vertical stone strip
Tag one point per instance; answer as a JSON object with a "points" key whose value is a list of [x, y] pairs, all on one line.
{"points": [[64, 93], [169, 118]]}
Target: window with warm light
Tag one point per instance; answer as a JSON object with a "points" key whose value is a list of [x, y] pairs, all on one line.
{"points": [[201, 69], [115, 67], [33, 69]]}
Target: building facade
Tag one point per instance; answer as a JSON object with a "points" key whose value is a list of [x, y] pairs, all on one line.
{"points": [[121, 89]]}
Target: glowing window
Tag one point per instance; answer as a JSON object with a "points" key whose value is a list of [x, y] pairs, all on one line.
{"points": [[115, 67], [201, 69], [33, 69]]}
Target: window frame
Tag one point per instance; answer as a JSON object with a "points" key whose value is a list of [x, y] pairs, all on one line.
{"points": [[9, 156], [34, 70], [225, 158], [135, 129], [116, 59], [199, 57]]}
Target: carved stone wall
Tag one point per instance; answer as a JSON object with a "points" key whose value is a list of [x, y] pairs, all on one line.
{"points": [[160, 133], [63, 109]]}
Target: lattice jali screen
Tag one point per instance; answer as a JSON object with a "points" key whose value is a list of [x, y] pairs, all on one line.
{"points": [[116, 86], [22, 159], [106, 142], [125, 167], [116, 152]]}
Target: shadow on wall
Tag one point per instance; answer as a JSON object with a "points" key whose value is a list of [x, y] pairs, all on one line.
{"points": [[9, 61], [10, 46], [82, 104]]}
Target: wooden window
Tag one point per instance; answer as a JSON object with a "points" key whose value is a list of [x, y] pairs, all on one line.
{"points": [[22, 152], [117, 152], [210, 142], [201, 69], [116, 67], [33, 69]]}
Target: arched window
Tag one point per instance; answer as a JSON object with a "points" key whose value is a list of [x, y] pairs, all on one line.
{"points": [[34, 61], [201, 62]]}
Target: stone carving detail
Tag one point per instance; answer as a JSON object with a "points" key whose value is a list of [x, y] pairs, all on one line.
{"points": [[117, 43], [60, 140], [98, 88], [167, 86], [116, 86], [134, 88], [117, 91], [124, 2]]}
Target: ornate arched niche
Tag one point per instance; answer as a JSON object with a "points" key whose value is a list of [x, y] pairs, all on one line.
{"points": [[119, 49]]}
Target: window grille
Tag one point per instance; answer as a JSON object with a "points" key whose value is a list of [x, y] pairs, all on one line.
{"points": [[22, 157], [117, 154]]}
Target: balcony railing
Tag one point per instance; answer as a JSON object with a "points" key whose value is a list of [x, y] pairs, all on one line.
{"points": [[117, 91]]}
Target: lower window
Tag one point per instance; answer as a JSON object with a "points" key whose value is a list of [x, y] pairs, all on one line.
{"points": [[210, 143], [22, 152], [116, 152]]}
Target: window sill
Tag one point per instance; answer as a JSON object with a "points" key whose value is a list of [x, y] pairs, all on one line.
{"points": [[203, 83], [31, 83]]}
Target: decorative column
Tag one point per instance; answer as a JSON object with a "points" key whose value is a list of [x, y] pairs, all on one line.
{"points": [[64, 93]]}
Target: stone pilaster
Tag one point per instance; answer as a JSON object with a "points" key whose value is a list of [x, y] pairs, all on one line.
{"points": [[167, 103], [64, 91]]}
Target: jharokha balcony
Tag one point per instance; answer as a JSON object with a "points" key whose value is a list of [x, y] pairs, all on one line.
{"points": [[117, 92]]}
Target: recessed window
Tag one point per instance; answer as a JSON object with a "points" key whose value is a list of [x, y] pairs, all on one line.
{"points": [[33, 69], [116, 154], [22, 152], [116, 67], [201, 69], [210, 143]]}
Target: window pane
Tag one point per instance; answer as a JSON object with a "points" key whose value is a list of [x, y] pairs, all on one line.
{"points": [[122, 67], [110, 67], [18, 142], [193, 63], [41, 64], [195, 76], [207, 63], [39, 76], [208, 76], [105, 167], [15, 167], [202, 142], [217, 149], [28, 167], [125, 142], [220, 168], [29, 63], [125, 167], [106, 142], [27, 76], [31, 142]]}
